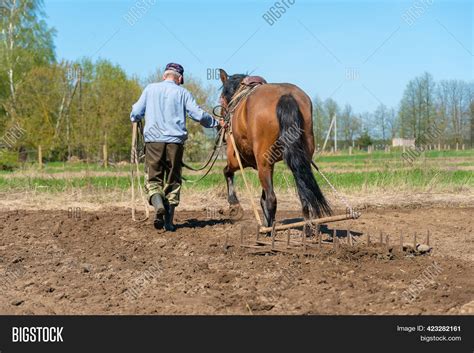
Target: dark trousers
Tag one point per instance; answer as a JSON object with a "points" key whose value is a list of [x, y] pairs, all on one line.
{"points": [[164, 164]]}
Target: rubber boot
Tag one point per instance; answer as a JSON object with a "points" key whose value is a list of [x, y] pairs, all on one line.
{"points": [[160, 211], [169, 216]]}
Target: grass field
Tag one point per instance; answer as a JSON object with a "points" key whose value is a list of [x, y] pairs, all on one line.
{"points": [[446, 171]]}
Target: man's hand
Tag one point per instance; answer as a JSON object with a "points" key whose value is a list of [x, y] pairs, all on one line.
{"points": [[222, 125]]}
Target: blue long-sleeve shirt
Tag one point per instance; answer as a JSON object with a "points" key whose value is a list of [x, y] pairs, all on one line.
{"points": [[165, 105]]}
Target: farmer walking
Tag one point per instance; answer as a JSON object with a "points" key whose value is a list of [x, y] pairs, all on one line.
{"points": [[166, 104]]}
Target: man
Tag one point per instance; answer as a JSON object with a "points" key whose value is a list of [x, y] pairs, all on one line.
{"points": [[165, 105]]}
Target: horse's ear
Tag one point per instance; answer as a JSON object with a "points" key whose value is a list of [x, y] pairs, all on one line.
{"points": [[223, 75]]}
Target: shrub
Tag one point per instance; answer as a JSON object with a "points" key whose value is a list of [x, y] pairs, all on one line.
{"points": [[8, 160]]}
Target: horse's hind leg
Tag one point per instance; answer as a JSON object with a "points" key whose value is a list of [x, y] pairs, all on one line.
{"points": [[268, 200], [308, 229]]}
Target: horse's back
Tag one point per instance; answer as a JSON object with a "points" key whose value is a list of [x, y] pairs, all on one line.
{"points": [[276, 90], [261, 119], [265, 100]]}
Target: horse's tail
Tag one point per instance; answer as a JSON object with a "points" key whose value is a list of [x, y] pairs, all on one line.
{"points": [[296, 156]]}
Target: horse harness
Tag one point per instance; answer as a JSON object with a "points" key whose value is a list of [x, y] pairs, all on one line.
{"points": [[248, 85]]}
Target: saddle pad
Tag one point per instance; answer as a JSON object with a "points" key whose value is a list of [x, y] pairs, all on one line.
{"points": [[253, 80]]}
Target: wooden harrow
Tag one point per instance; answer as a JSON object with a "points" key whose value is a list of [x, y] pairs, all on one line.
{"points": [[281, 239], [290, 244], [265, 244]]}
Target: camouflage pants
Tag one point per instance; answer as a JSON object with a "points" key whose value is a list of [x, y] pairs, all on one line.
{"points": [[163, 175]]}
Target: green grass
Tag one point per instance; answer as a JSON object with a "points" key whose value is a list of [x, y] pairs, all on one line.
{"points": [[412, 179], [60, 184], [358, 172], [379, 156]]}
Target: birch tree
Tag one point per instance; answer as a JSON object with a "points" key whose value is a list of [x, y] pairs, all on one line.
{"points": [[25, 41]]}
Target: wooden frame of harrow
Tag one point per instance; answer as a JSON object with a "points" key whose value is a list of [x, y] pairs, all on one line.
{"points": [[289, 245], [308, 246]]}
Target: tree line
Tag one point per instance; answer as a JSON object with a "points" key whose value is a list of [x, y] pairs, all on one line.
{"points": [[77, 109], [72, 109], [447, 105]]}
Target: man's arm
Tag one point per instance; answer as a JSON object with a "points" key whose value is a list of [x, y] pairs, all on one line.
{"points": [[138, 109], [196, 113]]}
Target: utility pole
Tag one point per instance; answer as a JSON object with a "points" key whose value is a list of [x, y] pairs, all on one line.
{"points": [[328, 135], [335, 132]]}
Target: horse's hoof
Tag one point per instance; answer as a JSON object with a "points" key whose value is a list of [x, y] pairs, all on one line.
{"points": [[236, 213], [308, 231]]}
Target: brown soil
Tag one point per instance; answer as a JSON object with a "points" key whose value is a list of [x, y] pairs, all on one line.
{"points": [[102, 263]]}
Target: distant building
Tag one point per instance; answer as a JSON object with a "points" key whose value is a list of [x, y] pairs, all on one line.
{"points": [[399, 142]]}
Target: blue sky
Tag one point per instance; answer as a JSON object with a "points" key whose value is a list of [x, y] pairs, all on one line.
{"points": [[362, 53]]}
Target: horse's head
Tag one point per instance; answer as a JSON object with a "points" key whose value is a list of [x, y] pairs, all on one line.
{"points": [[230, 84]]}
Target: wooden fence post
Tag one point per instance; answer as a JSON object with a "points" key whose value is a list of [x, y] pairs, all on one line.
{"points": [[106, 156], [40, 157]]}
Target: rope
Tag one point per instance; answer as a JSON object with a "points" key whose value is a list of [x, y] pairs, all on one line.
{"points": [[338, 195], [217, 148], [237, 155], [135, 174]]}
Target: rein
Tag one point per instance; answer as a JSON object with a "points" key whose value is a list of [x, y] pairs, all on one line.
{"points": [[212, 157], [242, 93]]}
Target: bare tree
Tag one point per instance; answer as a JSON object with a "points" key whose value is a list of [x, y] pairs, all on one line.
{"points": [[320, 122], [350, 124], [417, 108], [454, 100], [471, 113], [380, 120], [392, 122]]}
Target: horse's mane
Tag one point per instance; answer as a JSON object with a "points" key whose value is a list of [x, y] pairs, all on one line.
{"points": [[231, 86]]}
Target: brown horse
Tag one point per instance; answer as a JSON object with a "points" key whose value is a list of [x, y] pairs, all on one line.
{"points": [[273, 123]]}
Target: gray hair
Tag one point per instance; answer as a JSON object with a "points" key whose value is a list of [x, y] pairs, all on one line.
{"points": [[173, 73]]}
